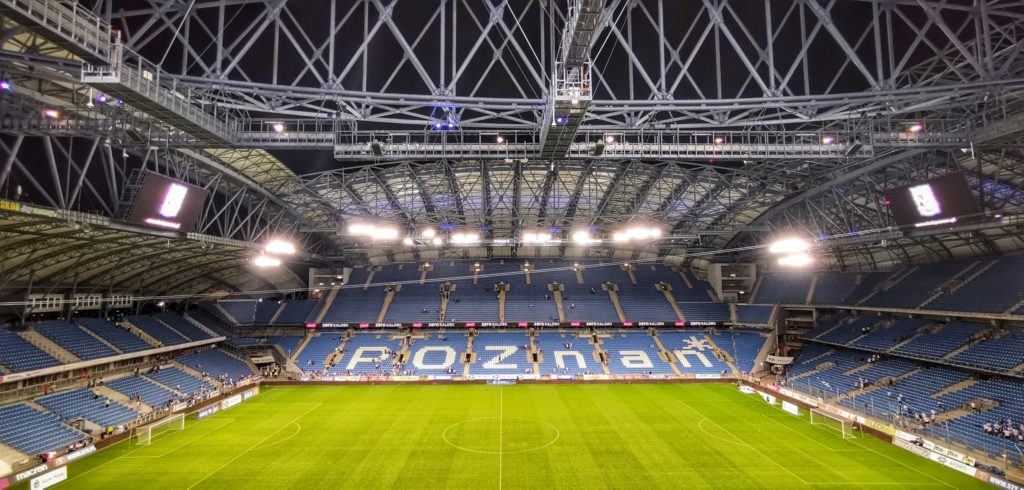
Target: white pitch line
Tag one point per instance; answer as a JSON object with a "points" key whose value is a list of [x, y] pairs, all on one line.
{"points": [[501, 432], [255, 446]]}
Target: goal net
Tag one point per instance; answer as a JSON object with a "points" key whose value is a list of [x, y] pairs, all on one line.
{"points": [[836, 423], [144, 435]]}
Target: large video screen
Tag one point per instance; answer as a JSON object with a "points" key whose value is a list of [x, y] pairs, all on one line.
{"points": [[942, 200], [167, 204]]}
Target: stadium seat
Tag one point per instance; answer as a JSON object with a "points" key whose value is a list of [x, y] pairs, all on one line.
{"points": [[119, 337], [75, 340], [17, 354]]}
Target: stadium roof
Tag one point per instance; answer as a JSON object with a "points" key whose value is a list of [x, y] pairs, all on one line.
{"points": [[729, 122]]}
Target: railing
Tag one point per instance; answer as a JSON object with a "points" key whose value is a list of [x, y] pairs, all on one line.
{"points": [[888, 412], [145, 78], [78, 24]]}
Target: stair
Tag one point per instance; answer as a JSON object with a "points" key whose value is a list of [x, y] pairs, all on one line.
{"points": [[955, 387], [302, 345], [224, 313], [1018, 305], [675, 306], [981, 404], [825, 366], [140, 333], [48, 346], [501, 305], [277, 313], [632, 275], [941, 289], [819, 356], [880, 383], [862, 367], [810, 290], [388, 297], [890, 282], [579, 276], [202, 327], [444, 307], [757, 288], [665, 354], [101, 339], [558, 304], [990, 331], [732, 313], [721, 354], [169, 327], [614, 296], [686, 280], [8, 457], [533, 349], [327, 304]]}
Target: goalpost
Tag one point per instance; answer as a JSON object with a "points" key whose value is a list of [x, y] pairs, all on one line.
{"points": [[843, 426], [144, 435]]}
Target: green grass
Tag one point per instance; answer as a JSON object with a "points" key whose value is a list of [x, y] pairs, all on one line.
{"points": [[526, 436]]}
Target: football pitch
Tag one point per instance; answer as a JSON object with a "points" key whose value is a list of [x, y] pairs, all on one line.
{"points": [[523, 436]]}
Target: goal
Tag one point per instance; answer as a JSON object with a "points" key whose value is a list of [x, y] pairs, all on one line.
{"points": [[144, 435], [839, 424]]}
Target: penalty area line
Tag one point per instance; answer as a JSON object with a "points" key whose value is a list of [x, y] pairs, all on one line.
{"points": [[255, 446]]}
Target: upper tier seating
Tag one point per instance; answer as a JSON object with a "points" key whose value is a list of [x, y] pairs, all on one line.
{"points": [[409, 302], [156, 329], [987, 292], [1006, 352], [316, 351], [950, 337], [183, 326], [33, 432], [151, 393], [265, 311], [849, 329], [753, 313], [288, 344], [581, 302], [178, 379], [885, 338], [81, 403], [18, 354], [216, 362], [119, 337], [697, 294], [623, 350], [488, 346], [706, 312], [296, 312], [75, 340], [242, 310], [354, 304], [526, 303], [784, 288], [917, 286], [642, 302]]}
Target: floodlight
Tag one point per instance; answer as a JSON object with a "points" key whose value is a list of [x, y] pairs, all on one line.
{"points": [[500, 139], [465, 238], [279, 247], [407, 241], [428, 233], [360, 228], [5, 85], [51, 113], [915, 127], [437, 241], [789, 246], [265, 261], [583, 237], [278, 127], [795, 260], [827, 140], [719, 140]]}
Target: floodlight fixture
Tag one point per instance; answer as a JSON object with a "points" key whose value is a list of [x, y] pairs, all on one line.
{"points": [[279, 247], [266, 261], [795, 260], [791, 245]]}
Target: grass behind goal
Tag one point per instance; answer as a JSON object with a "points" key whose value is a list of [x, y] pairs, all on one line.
{"points": [[526, 436]]}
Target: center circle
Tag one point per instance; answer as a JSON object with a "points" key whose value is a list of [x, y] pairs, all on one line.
{"points": [[500, 435]]}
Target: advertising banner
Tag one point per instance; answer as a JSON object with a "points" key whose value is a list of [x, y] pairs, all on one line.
{"points": [[779, 360], [247, 394], [747, 390], [230, 402], [49, 479], [791, 408], [708, 376], [949, 453], [769, 399], [206, 412], [262, 359]]}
